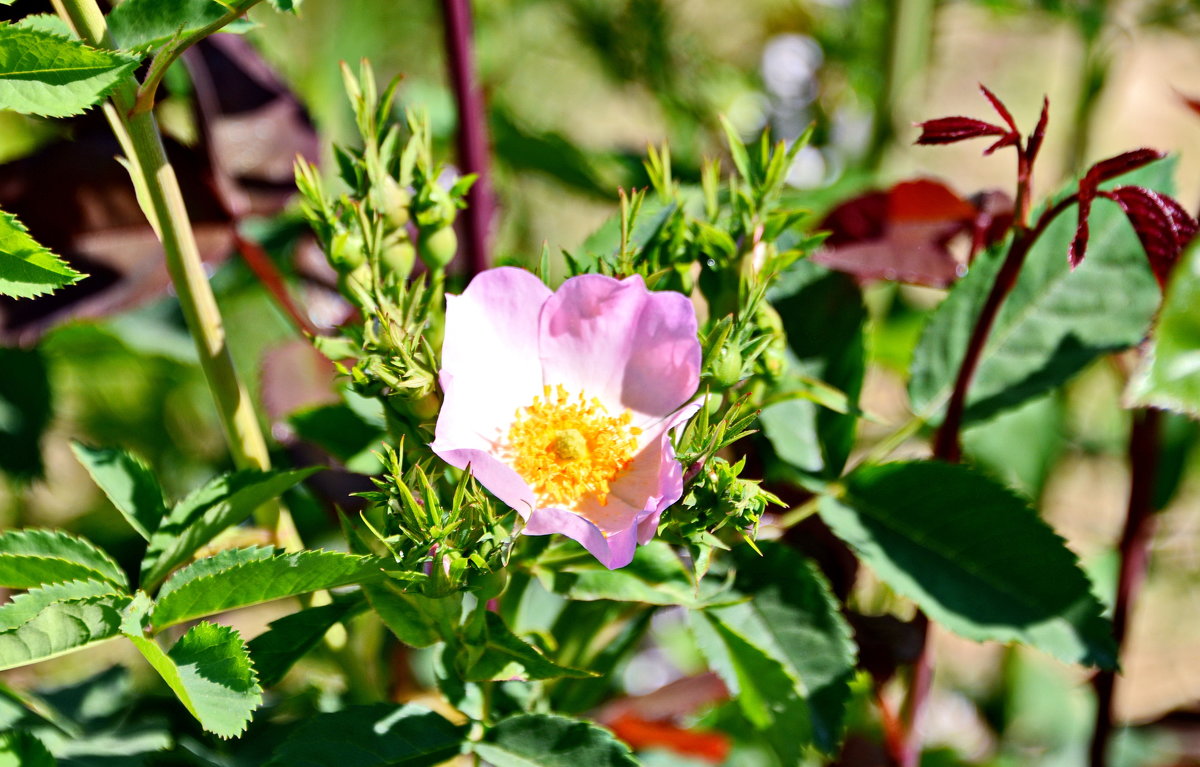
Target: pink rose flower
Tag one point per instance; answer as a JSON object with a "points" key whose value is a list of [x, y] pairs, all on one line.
{"points": [[562, 403]]}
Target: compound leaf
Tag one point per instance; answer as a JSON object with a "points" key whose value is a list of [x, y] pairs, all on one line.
{"points": [[197, 519], [27, 268]]}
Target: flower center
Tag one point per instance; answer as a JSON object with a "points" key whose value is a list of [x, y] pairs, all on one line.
{"points": [[569, 447]]}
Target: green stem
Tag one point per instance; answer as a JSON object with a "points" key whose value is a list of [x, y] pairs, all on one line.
{"points": [[911, 25], [162, 201]]}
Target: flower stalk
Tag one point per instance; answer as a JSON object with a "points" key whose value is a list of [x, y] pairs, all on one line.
{"points": [[162, 201]]}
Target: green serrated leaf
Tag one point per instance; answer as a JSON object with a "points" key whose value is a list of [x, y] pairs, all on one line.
{"points": [[798, 622], [973, 555], [1169, 376], [44, 74], [22, 749], [28, 269], [142, 25], [209, 670], [500, 654], [766, 689], [24, 607], [197, 519], [129, 484], [60, 628], [1054, 322], [546, 740], [289, 638], [231, 580], [379, 735], [32, 557]]}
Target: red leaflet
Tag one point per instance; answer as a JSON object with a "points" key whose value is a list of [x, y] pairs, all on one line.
{"points": [[1097, 174], [1002, 110], [948, 130], [903, 234], [1190, 102], [644, 733], [1034, 145], [1162, 225], [1120, 165]]}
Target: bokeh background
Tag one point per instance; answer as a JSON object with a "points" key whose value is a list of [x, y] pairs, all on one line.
{"points": [[576, 92]]}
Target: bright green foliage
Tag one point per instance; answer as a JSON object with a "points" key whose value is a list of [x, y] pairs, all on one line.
{"points": [[793, 616], [197, 519], [232, 579], [129, 484], [1170, 377], [22, 749], [973, 555], [545, 740], [24, 607], [32, 557], [28, 269], [140, 25], [60, 628], [499, 654], [44, 74], [379, 735], [209, 670], [25, 410], [288, 639], [768, 692], [1054, 322]]}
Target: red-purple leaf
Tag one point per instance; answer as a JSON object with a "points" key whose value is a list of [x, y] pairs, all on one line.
{"points": [[903, 234], [1190, 102], [1002, 110], [1162, 225], [1088, 185], [1121, 164], [1034, 144], [948, 130], [1008, 139]]}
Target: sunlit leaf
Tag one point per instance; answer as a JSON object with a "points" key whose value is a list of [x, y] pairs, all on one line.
{"points": [[32, 557], [45, 74], [28, 269]]}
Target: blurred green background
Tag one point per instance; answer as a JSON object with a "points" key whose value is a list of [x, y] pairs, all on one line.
{"points": [[577, 90]]}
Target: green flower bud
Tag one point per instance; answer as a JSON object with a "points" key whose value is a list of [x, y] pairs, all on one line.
{"points": [[355, 284], [394, 201], [437, 247], [346, 251], [398, 254], [727, 367], [490, 585]]}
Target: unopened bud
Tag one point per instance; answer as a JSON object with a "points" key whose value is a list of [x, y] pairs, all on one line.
{"points": [[437, 247]]}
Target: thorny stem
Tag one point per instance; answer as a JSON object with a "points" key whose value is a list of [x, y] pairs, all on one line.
{"points": [[472, 132], [1134, 551], [162, 201]]}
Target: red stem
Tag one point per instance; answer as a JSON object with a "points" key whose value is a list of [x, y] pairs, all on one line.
{"points": [[1135, 552], [472, 132], [947, 444]]}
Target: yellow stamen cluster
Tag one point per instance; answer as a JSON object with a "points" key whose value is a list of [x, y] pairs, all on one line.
{"points": [[569, 447]]}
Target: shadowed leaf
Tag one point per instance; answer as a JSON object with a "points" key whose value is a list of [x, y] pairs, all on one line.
{"points": [[974, 556], [379, 735], [545, 740]]}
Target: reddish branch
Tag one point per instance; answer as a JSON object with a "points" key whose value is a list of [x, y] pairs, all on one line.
{"points": [[1135, 552], [472, 132]]}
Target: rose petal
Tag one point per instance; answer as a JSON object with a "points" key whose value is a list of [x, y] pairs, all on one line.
{"points": [[612, 551], [627, 346], [490, 362]]}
